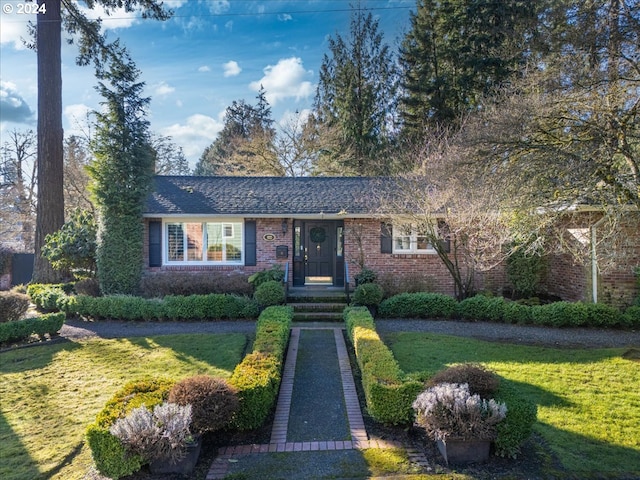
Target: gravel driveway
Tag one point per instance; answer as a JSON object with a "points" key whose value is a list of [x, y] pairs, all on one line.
{"points": [[523, 334]]}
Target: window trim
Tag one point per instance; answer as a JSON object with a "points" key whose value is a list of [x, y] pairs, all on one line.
{"points": [[203, 221], [413, 241]]}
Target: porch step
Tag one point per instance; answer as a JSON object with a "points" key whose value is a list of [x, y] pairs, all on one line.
{"points": [[317, 304], [317, 316]]}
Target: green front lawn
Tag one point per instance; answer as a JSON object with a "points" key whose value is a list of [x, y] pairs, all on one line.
{"points": [[50, 393], [588, 399]]}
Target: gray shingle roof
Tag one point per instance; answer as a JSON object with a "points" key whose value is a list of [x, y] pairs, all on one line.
{"points": [[256, 196]]}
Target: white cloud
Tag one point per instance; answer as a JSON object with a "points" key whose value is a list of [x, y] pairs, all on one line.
{"points": [[204, 68], [13, 29], [78, 116], [284, 17], [111, 18], [13, 108], [163, 89], [297, 118], [229, 25], [231, 69], [286, 79], [218, 6], [196, 135]]}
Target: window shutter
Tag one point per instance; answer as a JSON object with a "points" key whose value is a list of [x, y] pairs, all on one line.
{"points": [[386, 238], [250, 257], [155, 243]]}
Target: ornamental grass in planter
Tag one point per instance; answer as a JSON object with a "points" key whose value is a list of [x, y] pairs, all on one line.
{"points": [[463, 425], [162, 438]]}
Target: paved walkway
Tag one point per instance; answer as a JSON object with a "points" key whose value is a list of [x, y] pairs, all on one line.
{"points": [[283, 434]]}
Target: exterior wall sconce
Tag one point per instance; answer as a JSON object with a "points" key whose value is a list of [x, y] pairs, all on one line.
{"points": [[284, 226]]}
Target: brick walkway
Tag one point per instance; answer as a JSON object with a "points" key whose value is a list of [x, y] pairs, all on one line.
{"points": [[278, 441]]}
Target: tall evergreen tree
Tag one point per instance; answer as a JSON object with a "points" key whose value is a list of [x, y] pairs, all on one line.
{"points": [[93, 47], [122, 173], [355, 101], [245, 146], [455, 53]]}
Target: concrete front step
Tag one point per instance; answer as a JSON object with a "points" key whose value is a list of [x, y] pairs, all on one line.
{"points": [[317, 316], [317, 307]]}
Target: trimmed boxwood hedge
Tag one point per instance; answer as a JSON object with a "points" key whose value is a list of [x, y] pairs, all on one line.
{"points": [[18, 330], [213, 306], [257, 379], [422, 304], [388, 394], [498, 309], [258, 376]]}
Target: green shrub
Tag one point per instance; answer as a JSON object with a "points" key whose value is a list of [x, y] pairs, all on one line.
{"points": [[524, 272], [73, 246], [257, 379], [368, 294], [482, 308], [19, 330], [213, 401], [419, 305], [46, 296], [109, 455], [212, 306], [518, 424], [13, 306], [387, 393], [364, 276], [480, 380], [258, 376], [515, 312], [560, 314], [275, 273], [119, 254], [632, 317], [269, 293]]}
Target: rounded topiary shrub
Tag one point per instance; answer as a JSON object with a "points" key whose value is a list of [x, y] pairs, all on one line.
{"points": [[214, 402], [368, 294], [480, 380], [269, 293]]}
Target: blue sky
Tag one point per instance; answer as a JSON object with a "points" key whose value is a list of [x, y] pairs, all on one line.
{"points": [[194, 65]]}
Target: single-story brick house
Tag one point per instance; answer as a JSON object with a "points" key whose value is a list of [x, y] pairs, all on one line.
{"points": [[316, 225]]}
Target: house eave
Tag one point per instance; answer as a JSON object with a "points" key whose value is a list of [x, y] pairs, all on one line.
{"points": [[296, 216]]}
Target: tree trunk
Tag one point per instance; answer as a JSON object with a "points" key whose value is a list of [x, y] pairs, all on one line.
{"points": [[50, 198]]}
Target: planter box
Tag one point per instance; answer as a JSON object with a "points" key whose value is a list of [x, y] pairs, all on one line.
{"points": [[184, 466], [462, 452]]}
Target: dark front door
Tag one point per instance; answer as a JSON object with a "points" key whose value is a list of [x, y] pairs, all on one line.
{"points": [[319, 253]]}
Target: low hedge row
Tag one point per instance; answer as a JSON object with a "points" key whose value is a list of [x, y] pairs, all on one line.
{"points": [[109, 454], [498, 309], [125, 307], [18, 330], [258, 376], [388, 394], [257, 379]]}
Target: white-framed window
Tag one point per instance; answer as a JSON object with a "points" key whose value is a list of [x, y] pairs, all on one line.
{"points": [[203, 242], [407, 238]]}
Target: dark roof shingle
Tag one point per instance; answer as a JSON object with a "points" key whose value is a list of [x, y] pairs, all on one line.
{"points": [[256, 196]]}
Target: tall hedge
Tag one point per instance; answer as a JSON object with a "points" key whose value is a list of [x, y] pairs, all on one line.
{"points": [[122, 174]]}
